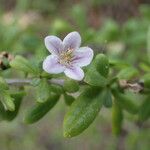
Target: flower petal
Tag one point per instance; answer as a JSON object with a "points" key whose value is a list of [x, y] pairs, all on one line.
{"points": [[51, 65], [74, 72], [53, 44], [83, 56], [72, 41]]}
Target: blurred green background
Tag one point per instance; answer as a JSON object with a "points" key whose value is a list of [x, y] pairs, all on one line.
{"points": [[119, 28]]}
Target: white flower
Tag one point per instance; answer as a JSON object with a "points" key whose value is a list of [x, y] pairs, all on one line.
{"points": [[67, 56]]}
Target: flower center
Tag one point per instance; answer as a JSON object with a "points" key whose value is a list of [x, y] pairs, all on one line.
{"points": [[66, 57]]}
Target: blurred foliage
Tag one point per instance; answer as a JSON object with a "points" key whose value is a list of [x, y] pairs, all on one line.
{"points": [[23, 26]]}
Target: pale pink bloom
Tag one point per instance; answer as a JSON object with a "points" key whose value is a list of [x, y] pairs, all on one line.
{"points": [[67, 56]]}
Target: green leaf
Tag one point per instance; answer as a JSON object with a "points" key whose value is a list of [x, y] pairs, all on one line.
{"points": [[107, 98], [82, 112], [125, 102], [71, 86], [42, 91], [146, 79], [3, 84], [128, 73], [68, 99], [144, 110], [102, 64], [94, 75], [2, 112], [40, 109], [94, 78], [56, 89], [9, 115], [7, 100], [22, 64], [35, 81], [117, 118]]}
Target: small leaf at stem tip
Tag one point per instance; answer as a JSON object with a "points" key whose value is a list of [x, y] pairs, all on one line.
{"points": [[7, 101], [9, 115]]}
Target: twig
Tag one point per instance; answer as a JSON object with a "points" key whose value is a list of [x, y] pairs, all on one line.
{"points": [[134, 87], [22, 82]]}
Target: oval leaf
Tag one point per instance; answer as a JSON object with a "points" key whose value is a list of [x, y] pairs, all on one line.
{"points": [[102, 64], [40, 109], [42, 91], [94, 78], [82, 112]]}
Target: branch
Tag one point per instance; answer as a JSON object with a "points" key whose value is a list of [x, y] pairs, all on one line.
{"points": [[22, 82], [134, 87]]}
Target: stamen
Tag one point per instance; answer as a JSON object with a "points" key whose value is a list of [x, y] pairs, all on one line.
{"points": [[66, 57]]}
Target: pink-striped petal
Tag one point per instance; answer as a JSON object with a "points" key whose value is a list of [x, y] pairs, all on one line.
{"points": [[74, 72], [83, 56], [72, 41], [53, 44], [52, 65]]}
